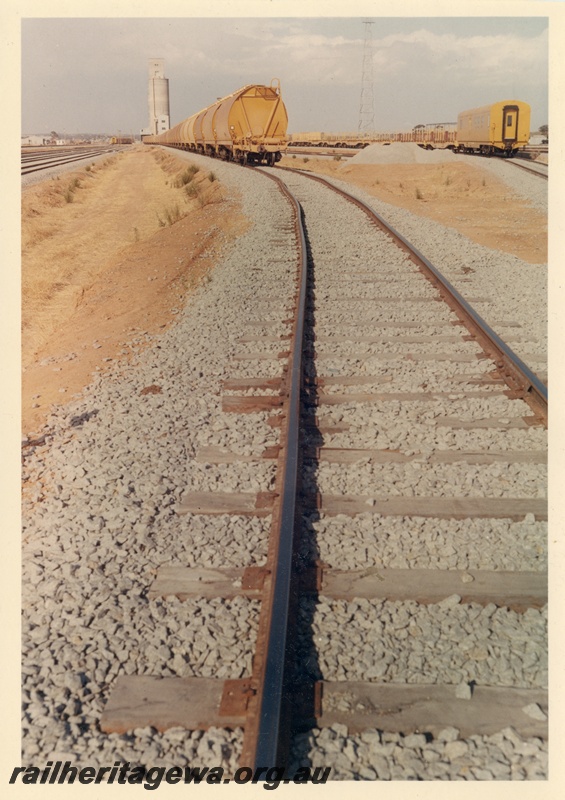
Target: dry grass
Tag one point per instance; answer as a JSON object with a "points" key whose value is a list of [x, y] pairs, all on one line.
{"points": [[186, 176], [72, 226], [100, 268], [197, 186], [458, 195]]}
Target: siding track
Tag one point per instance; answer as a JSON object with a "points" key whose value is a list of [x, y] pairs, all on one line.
{"points": [[534, 169], [371, 596], [38, 161], [359, 391], [383, 390]]}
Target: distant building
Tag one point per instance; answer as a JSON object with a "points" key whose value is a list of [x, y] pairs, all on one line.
{"points": [[158, 98], [35, 140]]}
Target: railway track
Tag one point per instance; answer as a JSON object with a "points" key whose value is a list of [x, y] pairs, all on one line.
{"points": [[402, 596], [39, 161], [534, 169], [321, 151], [521, 162]]}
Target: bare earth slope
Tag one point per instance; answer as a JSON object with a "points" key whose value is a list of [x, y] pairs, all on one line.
{"points": [[110, 265]]}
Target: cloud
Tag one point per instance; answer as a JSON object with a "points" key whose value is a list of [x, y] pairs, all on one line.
{"points": [[469, 58], [421, 68]]}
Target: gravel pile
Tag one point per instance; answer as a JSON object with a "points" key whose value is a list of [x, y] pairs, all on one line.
{"points": [[530, 187], [401, 153]]}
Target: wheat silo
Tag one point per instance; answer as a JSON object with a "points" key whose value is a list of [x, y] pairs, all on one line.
{"points": [[159, 112]]}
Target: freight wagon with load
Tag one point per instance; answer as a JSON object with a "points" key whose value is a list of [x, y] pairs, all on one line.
{"points": [[432, 135], [501, 128], [248, 126]]}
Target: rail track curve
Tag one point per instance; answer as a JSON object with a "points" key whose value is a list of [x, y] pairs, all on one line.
{"points": [[278, 701], [396, 458]]}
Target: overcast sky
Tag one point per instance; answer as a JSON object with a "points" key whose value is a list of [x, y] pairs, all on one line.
{"points": [[90, 75]]}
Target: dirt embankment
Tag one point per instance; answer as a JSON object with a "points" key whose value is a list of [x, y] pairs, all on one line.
{"points": [[460, 196], [109, 252]]}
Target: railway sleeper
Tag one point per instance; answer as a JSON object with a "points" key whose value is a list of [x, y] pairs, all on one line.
{"points": [[140, 701], [515, 590]]}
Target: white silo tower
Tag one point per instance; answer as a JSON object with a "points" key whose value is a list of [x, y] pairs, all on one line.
{"points": [[159, 112]]}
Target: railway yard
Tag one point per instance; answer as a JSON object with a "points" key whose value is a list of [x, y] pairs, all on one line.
{"points": [[168, 449]]}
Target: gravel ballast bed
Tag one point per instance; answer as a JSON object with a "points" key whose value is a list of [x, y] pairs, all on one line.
{"points": [[516, 290], [430, 480], [100, 514], [440, 439], [450, 643], [100, 511], [445, 643], [374, 755], [421, 543]]}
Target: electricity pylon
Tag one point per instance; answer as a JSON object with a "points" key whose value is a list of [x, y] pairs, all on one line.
{"points": [[366, 105]]}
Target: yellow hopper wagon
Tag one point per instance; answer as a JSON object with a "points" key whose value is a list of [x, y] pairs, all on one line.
{"points": [[499, 129], [248, 126]]}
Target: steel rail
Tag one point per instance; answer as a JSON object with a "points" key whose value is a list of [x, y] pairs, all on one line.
{"points": [[528, 169], [534, 390], [320, 151], [49, 162], [511, 161], [29, 161], [27, 169], [264, 734], [37, 155]]}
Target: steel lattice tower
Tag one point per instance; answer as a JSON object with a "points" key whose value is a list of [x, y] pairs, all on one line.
{"points": [[366, 105]]}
